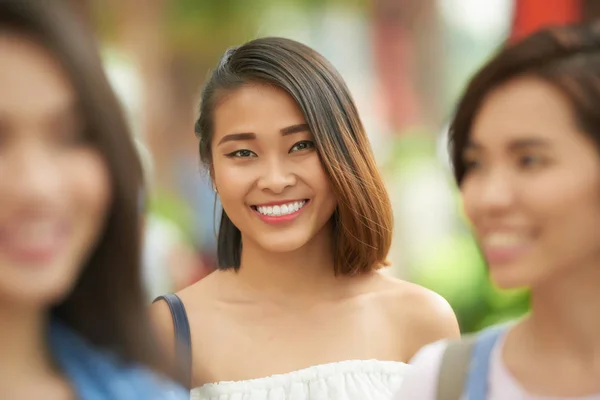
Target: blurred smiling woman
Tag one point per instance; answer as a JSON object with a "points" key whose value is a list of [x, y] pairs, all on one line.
{"points": [[525, 142], [72, 314]]}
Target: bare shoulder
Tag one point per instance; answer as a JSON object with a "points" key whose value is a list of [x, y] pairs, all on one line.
{"points": [[419, 315], [161, 314]]}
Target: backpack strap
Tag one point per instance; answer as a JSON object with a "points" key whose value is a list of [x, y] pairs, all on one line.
{"points": [[454, 368], [183, 341], [477, 382], [466, 364]]}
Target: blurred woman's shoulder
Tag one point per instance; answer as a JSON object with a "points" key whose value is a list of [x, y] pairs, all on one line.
{"points": [[421, 381], [102, 374]]}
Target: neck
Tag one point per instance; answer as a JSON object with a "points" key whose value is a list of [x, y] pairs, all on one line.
{"points": [[305, 272], [22, 344], [564, 313]]}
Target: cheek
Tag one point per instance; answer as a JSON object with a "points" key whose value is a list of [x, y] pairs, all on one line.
{"points": [[566, 210], [228, 176], [313, 172], [89, 185], [572, 215], [468, 197], [563, 195], [232, 183]]}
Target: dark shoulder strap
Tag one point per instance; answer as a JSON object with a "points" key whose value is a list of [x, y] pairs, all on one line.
{"points": [[183, 341], [455, 368]]}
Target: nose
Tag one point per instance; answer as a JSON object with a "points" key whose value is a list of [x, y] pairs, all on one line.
{"points": [[490, 194], [31, 176], [277, 176]]}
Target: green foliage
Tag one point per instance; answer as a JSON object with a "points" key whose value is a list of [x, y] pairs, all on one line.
{"points": [[454, 267], [173, 208], [208, 27]]}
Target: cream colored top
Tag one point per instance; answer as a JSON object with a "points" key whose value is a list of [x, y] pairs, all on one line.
{"points": [[346, 380]]}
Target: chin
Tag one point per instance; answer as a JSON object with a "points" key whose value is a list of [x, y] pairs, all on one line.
{"points": [[283, 243], [39, 290], [509, 277], [284, 247], [37, 294]]}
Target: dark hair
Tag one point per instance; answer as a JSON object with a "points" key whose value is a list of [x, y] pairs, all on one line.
{"points": [[107, 305], [566, 57], [363, 218]]}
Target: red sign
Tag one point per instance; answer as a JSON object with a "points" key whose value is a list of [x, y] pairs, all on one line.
{"points": [[531, 15]]}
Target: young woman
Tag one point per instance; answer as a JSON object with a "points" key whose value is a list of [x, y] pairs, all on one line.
{"points": [[525, 143], [72, 313], [298, 308]]}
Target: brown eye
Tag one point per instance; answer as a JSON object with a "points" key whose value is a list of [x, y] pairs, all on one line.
{"points": [[529, 161], [303, 145], [244, 153]]}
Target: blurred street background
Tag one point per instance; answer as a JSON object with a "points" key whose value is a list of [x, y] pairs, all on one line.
{"points": [[405, 61]]}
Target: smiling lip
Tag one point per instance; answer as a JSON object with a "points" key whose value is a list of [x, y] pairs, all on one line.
{"points": [[495, 256], [503, 247], [271, 210], [36, 252]]}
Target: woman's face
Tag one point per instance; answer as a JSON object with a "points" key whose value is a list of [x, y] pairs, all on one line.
{"points": [[267, 170], [532, 188], [54, 186]]}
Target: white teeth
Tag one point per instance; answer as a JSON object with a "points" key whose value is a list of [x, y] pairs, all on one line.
{"points": [[283, 209], [503, 240]]}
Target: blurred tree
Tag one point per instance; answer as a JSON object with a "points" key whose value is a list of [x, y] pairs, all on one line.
{"points": [[174, 44]]}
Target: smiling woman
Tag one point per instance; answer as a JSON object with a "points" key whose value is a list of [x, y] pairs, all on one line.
{"points": [[298, 308], [525, 142], [276, 166], [275, 211]]}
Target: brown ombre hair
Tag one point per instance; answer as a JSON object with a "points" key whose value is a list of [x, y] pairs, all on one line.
{"points": [[107, 305], [566, 57], [363, 219]]}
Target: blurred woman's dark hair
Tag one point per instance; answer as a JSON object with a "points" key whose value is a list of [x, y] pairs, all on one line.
{"points": [[566, 57], [363, 219], [107, 306]]}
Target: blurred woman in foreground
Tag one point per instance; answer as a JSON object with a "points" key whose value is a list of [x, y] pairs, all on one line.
{"points": [[525, 143], [72, 313]]}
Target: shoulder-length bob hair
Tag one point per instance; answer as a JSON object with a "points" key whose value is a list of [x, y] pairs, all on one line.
{"points": [[107, 305], [363, 219], [566, 57]]}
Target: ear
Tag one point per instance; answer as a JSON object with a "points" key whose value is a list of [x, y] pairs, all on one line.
{"points": [[212, 179]]}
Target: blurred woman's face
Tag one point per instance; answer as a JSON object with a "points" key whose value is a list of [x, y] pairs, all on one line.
{"points": [[54, 186], [532, 187]]}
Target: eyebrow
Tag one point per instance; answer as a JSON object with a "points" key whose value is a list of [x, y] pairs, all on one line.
{"points": [[518, 144], [289, 130], [295, 129]]}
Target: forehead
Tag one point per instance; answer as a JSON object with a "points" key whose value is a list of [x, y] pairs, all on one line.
{"points": [[255, 108], [32, 81], [523, 107]]}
